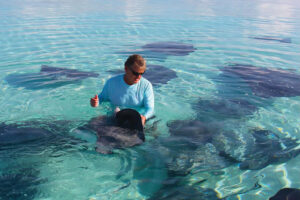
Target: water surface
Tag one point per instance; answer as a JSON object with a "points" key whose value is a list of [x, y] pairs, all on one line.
{"points": [[97, 36]]}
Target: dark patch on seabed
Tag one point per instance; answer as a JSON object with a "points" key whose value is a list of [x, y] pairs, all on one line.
{"points": [[48, 77], [267, 82], [156, 74]]}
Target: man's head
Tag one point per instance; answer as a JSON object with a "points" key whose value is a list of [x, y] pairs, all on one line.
{"points": [[135, 66]]}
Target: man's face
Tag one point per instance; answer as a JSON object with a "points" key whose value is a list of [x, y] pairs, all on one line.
{"points": [[134, 73]]}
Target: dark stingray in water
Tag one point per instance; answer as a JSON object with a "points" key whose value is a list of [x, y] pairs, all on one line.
{"points": [[20, 184], [17, 133], [257, 148], [27, 131], [287, 194], [124, 130], [199, 146], [219, 109], [161, 50], [48, 77], [156, 74], [33, 137], [269, 149], [269, 38], [170, 48], [265, 82], [189, 148]]}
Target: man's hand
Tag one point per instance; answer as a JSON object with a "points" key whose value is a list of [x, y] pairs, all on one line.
{"points": [[94, 101], [143, 120]]}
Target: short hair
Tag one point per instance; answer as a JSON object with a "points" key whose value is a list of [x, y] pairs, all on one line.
{"points": [[135, 59]]}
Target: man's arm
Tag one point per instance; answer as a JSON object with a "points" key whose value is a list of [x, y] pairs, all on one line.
{"points": [[149, 102], [100, 97], [103, 96]]}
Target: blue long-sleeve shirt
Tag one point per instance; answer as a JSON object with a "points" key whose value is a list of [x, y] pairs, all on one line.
{"points": [[136, 96]]}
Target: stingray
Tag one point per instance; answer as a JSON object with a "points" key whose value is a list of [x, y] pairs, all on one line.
{"points": [[287, 194], [156, 74], [220, 109], [265, 82], [27, 131], [161, 50], [20, 184], [17, 133], [170, 48], [269, 38], [198, 146], [269, 149], [33, 137], [123, 130], [48, 77], [256, 148], [189, 148]]}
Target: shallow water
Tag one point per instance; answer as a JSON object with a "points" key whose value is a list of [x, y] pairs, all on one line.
{"points": [[97, 36]]}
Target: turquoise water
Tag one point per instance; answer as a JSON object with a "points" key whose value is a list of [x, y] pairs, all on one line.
{"points": [[89, 36]]}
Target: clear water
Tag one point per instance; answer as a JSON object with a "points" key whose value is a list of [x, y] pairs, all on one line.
{"points": [[88, 35]]}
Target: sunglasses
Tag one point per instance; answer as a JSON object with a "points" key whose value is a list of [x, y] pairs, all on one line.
{"points": [[135, 73]]}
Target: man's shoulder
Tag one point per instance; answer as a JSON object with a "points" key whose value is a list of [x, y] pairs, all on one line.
{"points": [[116, 78], [145, 82]]}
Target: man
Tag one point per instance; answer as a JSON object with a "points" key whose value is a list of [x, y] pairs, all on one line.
{"points": [[129, 90]]}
